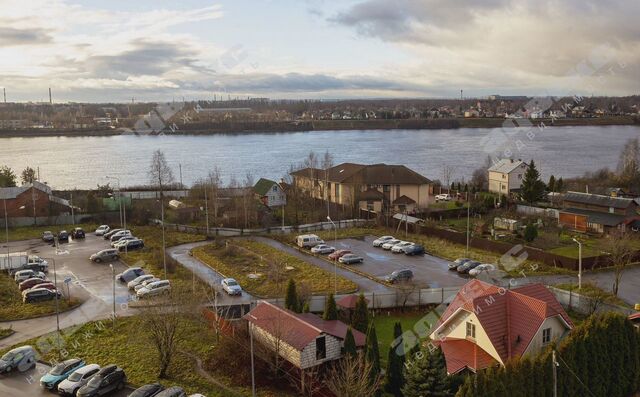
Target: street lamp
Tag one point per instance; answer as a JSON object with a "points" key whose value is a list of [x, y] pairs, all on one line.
{"points": [[124, 211], [113, 277], [579, 263], [164, 248], [55, 282], [335, 264]]}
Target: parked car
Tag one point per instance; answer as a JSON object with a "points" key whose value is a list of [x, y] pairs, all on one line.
{"points": [[77, 379], [348, 259], [60, 372], [122, 233], [138, 280], [39, 295], [389, 244], [47, 285], [154, 289], [77, 233], [322, 249], [63, 236], [482, 268], [122, 240], [105, 256], [464, 268], [337, 254], [131, 245], [381, 240], [399, 248], [36, 263], [102, 229], [413, 249], [31, 282], [231, 286], [48, 237], [399, 276], [110, 233], [308, 240], [105, 381], [130, 274], [173, 391], [460, 261], [443, 197], [150, 390], [145, 283], [22, 358], [22, 275]]}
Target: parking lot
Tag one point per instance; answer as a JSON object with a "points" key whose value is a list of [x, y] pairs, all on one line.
{"points": [[429, 271]]}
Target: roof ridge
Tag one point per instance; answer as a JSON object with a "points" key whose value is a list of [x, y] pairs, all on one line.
{"points": [[293, 315]]}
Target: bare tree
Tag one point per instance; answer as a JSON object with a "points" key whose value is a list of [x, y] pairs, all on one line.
{"points": [[448, 172], [629, 162], [621, 250], [215, 182], [247, 199], [351, 377], [160, 173], [404, 292], [327, 162]]}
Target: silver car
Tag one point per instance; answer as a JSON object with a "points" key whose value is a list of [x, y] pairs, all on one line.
{"points": [[77, 379]]}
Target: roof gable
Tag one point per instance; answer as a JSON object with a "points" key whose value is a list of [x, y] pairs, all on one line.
{"points": [[506, 166], [263, 186]]}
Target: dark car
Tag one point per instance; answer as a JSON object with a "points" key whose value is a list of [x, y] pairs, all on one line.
{"points": [[464, 268], [107, 380], [77, 233], [130, 274], [413, 250], [460, 261], [173, 391], [63, 236], [131, 245], [147, 390], [31, 282], [105, 256], [47, 237], [399, 276], [107, 236], [39, 295]]}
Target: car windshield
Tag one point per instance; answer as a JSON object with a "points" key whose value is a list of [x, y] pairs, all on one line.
{"points": [[76, 376], [95, 381], [58, 369], [8, 357], [232, 283]]}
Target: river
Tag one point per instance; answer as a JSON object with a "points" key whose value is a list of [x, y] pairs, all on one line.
{"points": [[84, 162]]}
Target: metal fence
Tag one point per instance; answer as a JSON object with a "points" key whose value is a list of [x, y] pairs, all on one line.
{"points": [[584, 304], [537, 211]]}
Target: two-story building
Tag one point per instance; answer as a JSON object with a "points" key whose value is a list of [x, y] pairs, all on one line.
{"points": [[506, 175], [270, 193], [31, 200], [374, 187], [485, 325], [596, 213]]}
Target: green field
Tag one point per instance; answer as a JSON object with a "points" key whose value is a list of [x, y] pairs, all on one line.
{"points": [[384, 328]]}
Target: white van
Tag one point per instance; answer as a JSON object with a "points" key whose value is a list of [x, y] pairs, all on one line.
{"points": [[308, 240]]}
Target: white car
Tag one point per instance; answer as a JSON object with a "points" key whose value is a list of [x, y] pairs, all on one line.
{"points": [[231, 286], [145, 283], [398, 248], [153, 289], [77, 379], [381, 240], [387, 246], [443, 197], [117, 244], [139, 280], [483, 268], [23, 275], [322, 249], [101, 230]]}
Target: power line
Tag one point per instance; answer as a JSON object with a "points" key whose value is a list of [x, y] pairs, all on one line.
{"points": [[575, 376]]}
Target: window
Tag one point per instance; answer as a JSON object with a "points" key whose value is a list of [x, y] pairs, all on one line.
{"points": [[546, 336], [504, 176], [386, 188], [275, 188], [471, 330], [321, 348], [519, 176]]}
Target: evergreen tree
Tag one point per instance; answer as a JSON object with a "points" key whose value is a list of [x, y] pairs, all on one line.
{"points": [[360, 318], [453, 186], [559, 185], [305, 307], [426, 375], [530, 233], [350, 343], [372, 354], [395, 363], [551, 186], [330, 310], [532, 187], [291, 300], [7, 177]]}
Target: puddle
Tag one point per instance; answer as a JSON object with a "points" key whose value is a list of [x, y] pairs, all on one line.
{"points": [[377, 257]]}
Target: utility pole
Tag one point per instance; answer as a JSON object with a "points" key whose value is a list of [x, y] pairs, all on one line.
{"points": [[4, 90], [73, 217], [468, 228], [180, 165], [50, 99], [555, 373], [206, 208]]}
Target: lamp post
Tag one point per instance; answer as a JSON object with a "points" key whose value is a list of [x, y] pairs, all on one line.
{"points": [[55, 282], [164, 248], [113, 278], [579, 263], [123, 210], [335, 264]]}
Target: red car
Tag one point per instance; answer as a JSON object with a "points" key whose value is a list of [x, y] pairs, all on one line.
{"points": [[48, 285], [31, 282], [338, 254]]}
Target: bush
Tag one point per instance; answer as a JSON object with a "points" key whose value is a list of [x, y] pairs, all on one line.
{"points": [[530, 233]]}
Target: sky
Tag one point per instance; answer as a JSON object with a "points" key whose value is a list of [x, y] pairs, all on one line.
{"points": [[116, 51]]}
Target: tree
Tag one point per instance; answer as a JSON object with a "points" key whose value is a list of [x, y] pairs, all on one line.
{"points": [[160, 174], [559, 185], [351, 377], [551, 186], [629, 162], [291, 300], [395, 363], [360, 318], [532, 187], [447, 175], [530, 233], [426, 374], [479, 178], [28, 175], [372, 353], [330, 310], [621, 249], [7, 177], [350, 347]]}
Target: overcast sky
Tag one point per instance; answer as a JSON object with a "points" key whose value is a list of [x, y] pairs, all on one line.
{"points": [[155, 50]]}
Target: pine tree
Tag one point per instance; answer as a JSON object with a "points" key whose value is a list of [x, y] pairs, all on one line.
{"points": [[532, 187], [395, 363], [530, 233], [330, 310], [552, 184], [559, 185], [360, 318], [372, 352], [426, 375], [350, 343], [291, 300]]}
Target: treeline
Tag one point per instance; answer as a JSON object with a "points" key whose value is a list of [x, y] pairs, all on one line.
{"points": [[601, 357]]}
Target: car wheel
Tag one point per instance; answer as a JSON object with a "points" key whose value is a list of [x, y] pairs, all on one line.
{"points": [[98, 260]]}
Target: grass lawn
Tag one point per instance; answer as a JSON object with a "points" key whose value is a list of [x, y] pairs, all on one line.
{"points": [[592, 290], [271, 263], [31, 232], [12, 307], [384, 328], [448, 205]]}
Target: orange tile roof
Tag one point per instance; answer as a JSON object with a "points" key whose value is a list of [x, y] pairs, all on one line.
{"points": [[461, 353]]}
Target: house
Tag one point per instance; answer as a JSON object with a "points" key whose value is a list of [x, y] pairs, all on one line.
{"points": [[586, 212], [505, 176], [374, 187], [270, 193], [303, 339], [485, 325], [33, 199]]}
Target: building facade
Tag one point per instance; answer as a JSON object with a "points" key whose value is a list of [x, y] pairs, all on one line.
{"points": [[32, 199], [506, 175]]}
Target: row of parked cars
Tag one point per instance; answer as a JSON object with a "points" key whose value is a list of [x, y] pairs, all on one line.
{"points": [[75, 377], [471, 267], [318, 246], [397, 246], [34, 286], [63, 235]]}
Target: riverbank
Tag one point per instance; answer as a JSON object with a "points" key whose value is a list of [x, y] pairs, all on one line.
{"points": [[323, 125]]}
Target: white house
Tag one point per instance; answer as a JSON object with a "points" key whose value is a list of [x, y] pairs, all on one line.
{"points": [[270, 193], [506, 176]]}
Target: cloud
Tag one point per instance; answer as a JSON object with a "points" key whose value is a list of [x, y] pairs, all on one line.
{"points": [[17, 37]]}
